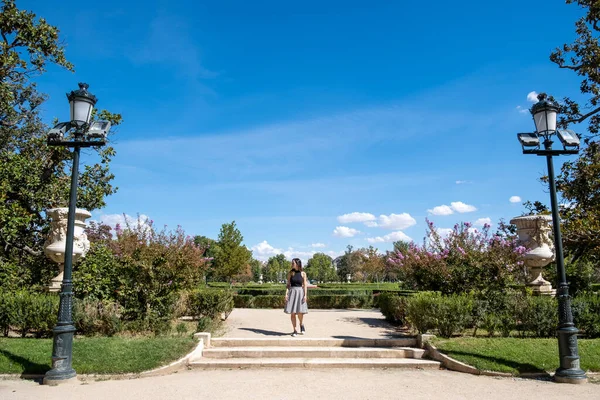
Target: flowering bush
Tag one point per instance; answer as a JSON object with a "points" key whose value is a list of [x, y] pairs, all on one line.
{"points": [[466, 259], [141, 269]]}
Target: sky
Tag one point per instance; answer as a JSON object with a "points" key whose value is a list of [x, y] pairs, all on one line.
{"points": [[319, 124]]}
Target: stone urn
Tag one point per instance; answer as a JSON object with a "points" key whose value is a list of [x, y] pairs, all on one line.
{"points": [[534, 233], [55, 245]]}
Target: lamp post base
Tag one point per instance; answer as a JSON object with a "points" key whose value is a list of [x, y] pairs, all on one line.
{"points": [[566, 379], [54, 381]]}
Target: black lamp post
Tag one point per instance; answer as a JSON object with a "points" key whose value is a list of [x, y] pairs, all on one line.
{"points": [[76, 133], [544, 115]]}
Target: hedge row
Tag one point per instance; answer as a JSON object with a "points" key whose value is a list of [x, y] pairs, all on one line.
{"points": [[314, 301], [504, 313], [32, 313]]}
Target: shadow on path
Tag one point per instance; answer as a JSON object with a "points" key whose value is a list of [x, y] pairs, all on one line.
{"points": [[522, 368], [28, 367], [264, 332]]}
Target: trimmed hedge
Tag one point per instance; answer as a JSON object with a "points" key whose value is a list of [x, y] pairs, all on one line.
{"points": [[28, 313], [504, 313], [210, 303], [314, 301]]}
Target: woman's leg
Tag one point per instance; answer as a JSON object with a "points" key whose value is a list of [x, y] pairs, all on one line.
{"points": [[293, 316], [301, 317]]}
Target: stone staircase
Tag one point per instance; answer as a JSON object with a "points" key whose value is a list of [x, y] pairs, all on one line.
{"points": [[301, 352]]}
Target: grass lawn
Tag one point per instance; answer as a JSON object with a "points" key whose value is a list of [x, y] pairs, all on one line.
{"points": [[515, 355], [94, 355]]}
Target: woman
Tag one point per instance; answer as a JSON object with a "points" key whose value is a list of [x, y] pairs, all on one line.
{"points": [[296, 295]]}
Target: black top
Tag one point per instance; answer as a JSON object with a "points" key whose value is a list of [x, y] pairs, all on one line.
{"points": [[296, 280]]}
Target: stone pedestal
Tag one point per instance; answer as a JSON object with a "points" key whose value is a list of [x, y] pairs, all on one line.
{"points": [[55, 245], [534, 234]]}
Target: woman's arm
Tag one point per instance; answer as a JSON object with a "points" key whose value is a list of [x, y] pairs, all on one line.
{"points": [[287, 287], [305, 286]]}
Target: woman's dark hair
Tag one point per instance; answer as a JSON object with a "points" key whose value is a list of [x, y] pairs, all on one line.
{"points": [[298, 263]]}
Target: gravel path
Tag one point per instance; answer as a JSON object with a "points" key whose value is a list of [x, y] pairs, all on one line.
{"points": [[267, 384]]}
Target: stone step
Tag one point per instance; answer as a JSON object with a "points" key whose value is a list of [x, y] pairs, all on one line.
{"points": [[312, 342], [311, 352], [408, 363]]}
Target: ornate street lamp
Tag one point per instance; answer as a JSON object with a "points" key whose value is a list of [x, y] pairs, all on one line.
{"points": [[544, 115], [76, 133]]}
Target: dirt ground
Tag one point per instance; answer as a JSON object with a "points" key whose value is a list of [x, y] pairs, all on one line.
{"points": [[303, 384]]}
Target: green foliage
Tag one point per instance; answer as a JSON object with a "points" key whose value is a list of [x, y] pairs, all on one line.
{"points": [[28, 313], [208, 303], [97, 275], [276, 268], [539, 316], [452, 314], [420, 311], [93, 317], [393, 307], [320, 268], [230, 256], [205, 324], [586, 314]]}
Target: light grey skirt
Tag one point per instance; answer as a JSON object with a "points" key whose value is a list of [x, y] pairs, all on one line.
{"points": [[294, 304]]}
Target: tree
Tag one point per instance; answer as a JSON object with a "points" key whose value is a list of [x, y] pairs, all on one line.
{"points": [[231, 257], [579, 180], [320, 268], [349, 264], [373, 265], [33, 176], [256, 267], [277, 268]]}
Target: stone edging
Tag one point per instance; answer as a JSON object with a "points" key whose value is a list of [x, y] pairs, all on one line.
{"points": [[455, 365]]}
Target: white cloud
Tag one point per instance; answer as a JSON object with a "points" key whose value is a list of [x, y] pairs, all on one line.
{"points": [[483, 221], [522, 110], [441, 210], [396, 221], [461, 207], [318, 245], [124, 220], [532, 97], [515, 199], [444, 231], [344, 231], [390, 238], [371, 224], [264, 250], [355, 217], [302, 255], [459, 182]]}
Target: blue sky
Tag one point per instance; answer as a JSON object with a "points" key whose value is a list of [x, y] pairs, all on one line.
{"points": [[286, 117]]}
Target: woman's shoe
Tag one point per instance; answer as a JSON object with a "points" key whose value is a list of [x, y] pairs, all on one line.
{"points": [[302, 330], [294, 334]]}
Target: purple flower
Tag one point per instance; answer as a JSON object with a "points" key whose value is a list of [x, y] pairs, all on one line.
{"points": [[521, 250], [468, 224], [461, 251]]}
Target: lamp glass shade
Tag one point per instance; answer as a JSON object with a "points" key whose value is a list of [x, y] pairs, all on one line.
{"points": [[545, 120], [81, 109]]}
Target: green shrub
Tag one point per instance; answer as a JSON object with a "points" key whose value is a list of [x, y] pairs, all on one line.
{"points": [[420, 310], [209, 303], [539, 316], [452, 314], [586, 314], [268, 302], [393, 307], [243, 301], [205, 324], [96, 317], [28, 313]]}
